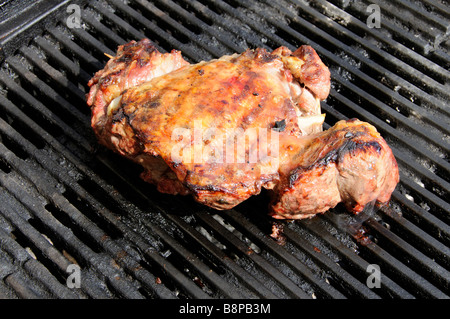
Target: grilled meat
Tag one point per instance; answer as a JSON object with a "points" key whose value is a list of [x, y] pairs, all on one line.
{"points": [[134, 63], [349, 163], [223, 129]]}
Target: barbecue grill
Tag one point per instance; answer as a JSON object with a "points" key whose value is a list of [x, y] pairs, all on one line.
{"points": [[76, 221]]}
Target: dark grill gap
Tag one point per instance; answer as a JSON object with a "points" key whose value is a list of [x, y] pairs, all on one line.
{"points": [[91, 208]]}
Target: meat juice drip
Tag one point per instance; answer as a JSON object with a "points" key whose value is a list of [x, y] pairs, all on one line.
{"points": [[277, 232], [355, 227]]}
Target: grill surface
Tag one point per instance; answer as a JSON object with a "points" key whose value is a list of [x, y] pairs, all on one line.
{"points": [[65, 200]]}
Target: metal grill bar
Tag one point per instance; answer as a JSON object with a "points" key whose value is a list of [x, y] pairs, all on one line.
{"points": [[389, 45], [372, 83], [100, 236], [220, 257], [422, 25], [272, 247], [131, 242], [396, 265]]}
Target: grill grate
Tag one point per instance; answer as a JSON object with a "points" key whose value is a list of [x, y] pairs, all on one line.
{"points": [[65, 200]]}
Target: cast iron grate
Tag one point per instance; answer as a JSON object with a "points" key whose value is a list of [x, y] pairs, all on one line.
{"points": [[67, 201]]}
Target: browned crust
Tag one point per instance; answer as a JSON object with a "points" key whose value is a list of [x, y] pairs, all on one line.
{"points": [[134, 63], [253, 89], [349, 163], [314, 73]]}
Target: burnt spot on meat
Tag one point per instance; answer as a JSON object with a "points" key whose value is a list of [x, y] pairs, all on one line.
{"points": [[201, 72], [126, 57], [375, 145], [119, 115], [198, 188], [279, 126], [355, 146], [242, 95], [133, 48], [152, 104], [350, 147], [141, 62], [294, 176], [335, 156], [128, 45], [264, 56], [150, 48], [110, 79], [332, 157]]}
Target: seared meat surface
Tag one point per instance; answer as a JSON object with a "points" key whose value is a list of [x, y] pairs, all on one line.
{"points": [[349, 163], [223, 129], [135, 63]]}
